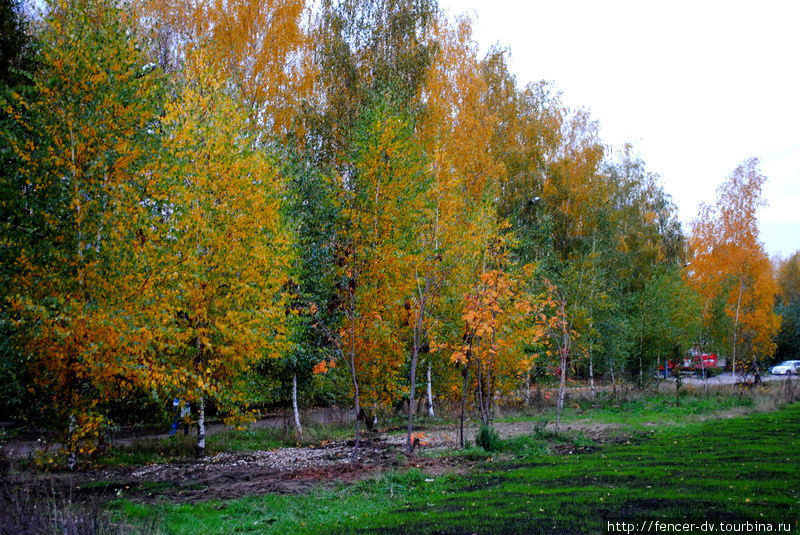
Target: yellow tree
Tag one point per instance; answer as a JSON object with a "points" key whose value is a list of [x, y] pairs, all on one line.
{"points": [[728, 263], [89, 131], [261, 46], [217, 251]]}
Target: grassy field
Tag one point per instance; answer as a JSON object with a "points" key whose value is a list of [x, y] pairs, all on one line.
{"points": [[736, 470]]}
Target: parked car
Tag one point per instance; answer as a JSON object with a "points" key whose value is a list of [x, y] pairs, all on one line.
{"points": [[787, 367], [691, 364]]}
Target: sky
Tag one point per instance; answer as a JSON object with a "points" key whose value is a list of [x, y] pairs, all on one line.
{"points": [[696, 86]]}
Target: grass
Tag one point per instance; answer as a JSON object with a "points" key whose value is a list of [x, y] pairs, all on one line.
{"points": [[642, 409], [735, 470], [662, 408]]}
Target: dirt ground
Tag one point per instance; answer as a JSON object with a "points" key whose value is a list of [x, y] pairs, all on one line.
{"points": [[284, 470], [292, 470]]}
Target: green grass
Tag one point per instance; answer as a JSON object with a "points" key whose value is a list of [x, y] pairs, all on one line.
{"points": [[635, 413], [740, 469], [662, 408]]}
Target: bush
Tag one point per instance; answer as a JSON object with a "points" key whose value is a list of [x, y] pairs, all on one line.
{"points": [[488, 439]]}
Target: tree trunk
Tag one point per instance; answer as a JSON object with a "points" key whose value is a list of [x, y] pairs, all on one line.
{"points": [[429, 404], [463, 406], [640, 371], [200, 450], [562, 386], [705, 375], [297, 426], [72, 455], [641, 344], [736, 330], [490, 388], [411, 393], [357, 406], [480, 391], [564, 353], [591, 376], [352, 363], [528, 388]]}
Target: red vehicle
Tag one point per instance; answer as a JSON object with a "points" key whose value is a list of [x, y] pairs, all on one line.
{"points": [[700, 362], [691, 364]]}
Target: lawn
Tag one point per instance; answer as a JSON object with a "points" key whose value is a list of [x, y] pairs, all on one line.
{"points": [[742, 469]]}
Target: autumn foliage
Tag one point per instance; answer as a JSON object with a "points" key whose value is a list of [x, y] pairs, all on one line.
{"points": [[217, 201]]}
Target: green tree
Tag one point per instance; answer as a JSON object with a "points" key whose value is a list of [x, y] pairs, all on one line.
{"points": [[17, 55], [788, 307], [316, 225]]}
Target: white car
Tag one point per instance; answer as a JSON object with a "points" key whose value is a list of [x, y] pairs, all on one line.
{"points": [[787, 367]]}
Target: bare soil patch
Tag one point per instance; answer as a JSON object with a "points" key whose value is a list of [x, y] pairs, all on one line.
{"points": [[283, 470]]}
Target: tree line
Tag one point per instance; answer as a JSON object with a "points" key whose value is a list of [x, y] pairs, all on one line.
{"points": [[252, 201]]}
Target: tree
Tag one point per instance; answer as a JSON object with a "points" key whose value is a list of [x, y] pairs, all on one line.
{"points": [[316, 225], [551, 328], [452, 238], [728, 263], [17, 57], [16, 45], [85, 132], [788, 307], [670, 312], [261, 47], [363, 48], [216, 247], [383, 202]]}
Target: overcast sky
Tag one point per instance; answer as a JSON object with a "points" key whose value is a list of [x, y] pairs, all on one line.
{"points": [[697, 86]]}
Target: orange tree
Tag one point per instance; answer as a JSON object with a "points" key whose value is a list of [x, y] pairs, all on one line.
{"points": [[729, 266], [451, 130], [495, 334], [87, 133], [261, 47]]}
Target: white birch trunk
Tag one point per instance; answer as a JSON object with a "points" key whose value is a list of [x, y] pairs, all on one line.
{"points": [[297, 426], [429, 391], [528, 388], [201, 428]]}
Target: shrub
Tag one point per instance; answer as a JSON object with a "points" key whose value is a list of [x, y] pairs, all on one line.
{"points": [[488, 439]]}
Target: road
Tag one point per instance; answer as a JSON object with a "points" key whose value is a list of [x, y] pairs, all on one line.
{"points": [[728, 378]]}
